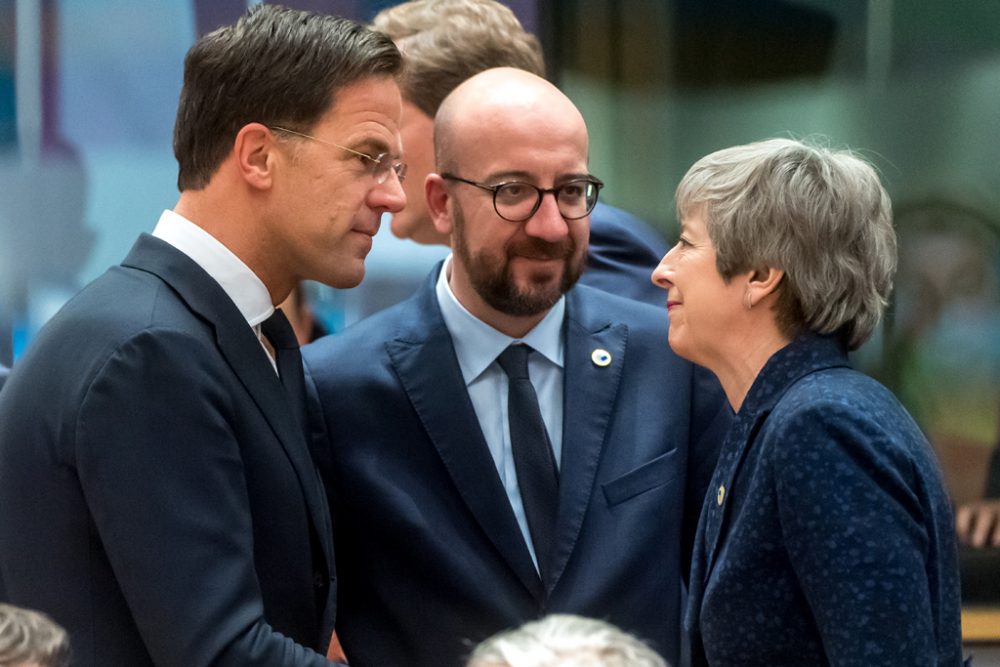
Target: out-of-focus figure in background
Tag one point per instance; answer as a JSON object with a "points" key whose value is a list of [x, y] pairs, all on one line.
{"points": [[565, 640], [978, 526], [299, 311], [942, 357], [978, 522]]}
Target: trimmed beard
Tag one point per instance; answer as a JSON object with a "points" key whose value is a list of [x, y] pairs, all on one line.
{"points": [[491, 277]]}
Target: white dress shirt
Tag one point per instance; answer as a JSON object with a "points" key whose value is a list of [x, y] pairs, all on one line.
{"points": [[237, 280], [477, 346]]}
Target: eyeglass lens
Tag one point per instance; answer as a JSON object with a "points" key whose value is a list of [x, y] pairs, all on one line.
{"points": [[519, 201], [382, 165]]}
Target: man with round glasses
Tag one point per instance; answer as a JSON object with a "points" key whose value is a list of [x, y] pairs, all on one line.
{"points": [[445, 42], [516, 201], [506, 443]]}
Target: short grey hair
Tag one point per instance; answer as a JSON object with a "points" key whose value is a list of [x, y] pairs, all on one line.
{"points": [[821, 215], [564, 640], [30, 637]]}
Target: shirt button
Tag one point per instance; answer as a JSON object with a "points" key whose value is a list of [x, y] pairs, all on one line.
{"points": [[721, 495]]}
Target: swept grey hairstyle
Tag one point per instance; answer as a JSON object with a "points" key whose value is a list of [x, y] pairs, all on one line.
{"points": [[821, 215], [564, 640], [30, 637]]}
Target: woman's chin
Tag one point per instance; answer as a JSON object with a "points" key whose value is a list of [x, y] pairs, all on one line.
{"points": [[678, 343]]}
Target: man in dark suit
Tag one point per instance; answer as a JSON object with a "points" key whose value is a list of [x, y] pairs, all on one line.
{"points": [[446, 42], [158, 496], [445, 532]]}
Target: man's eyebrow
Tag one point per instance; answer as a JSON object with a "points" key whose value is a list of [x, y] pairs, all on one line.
{"points": [[373, 146], [566, 178], [511, 175], [528, 177]]}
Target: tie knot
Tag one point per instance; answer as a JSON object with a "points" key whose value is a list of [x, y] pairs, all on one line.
{"points": [[279, 332], [514, 361]]}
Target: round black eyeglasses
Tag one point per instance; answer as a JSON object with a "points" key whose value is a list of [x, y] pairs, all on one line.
{"points": [[516, 201]]}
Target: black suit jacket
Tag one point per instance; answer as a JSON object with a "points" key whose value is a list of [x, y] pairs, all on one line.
{"points": [[158, 497], [430, 556]]}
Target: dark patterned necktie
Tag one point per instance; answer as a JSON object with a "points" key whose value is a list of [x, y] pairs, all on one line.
{"points": [[537, 476]]}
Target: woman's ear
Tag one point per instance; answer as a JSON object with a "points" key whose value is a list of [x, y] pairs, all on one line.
{"points": [[763, 282]]}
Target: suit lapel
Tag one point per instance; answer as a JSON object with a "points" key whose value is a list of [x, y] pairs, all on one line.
{"points": [[589, 399], [805, 355], [425, 362], [244, 354], [735, 449]]}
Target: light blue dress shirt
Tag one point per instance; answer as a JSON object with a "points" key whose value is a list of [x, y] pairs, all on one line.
{"points": [[477, 346]]}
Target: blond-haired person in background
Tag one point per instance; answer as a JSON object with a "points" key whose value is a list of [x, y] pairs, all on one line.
{"points": [[31, 639], [565, 640]]}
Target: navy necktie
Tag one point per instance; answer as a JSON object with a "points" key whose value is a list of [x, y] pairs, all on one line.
{"points": [[537, 476], [288, 359]]}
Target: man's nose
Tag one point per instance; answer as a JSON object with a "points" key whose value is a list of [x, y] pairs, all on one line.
{"points": [[547, 222]]}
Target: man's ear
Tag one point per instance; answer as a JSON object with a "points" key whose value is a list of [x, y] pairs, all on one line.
{"points": [[763, 282], [436, 194], [255, 149]]}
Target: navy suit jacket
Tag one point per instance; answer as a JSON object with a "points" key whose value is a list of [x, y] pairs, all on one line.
{"points": [[827, 536], [158, 496], [429, 555], [623, 252]]}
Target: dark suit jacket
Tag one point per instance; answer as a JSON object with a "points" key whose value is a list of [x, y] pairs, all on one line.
{"points": [[158, 497], [826, 536], [624, 250], [429, 554]]}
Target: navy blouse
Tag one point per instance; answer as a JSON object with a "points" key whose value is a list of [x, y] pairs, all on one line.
{"points": [[826, 537]]}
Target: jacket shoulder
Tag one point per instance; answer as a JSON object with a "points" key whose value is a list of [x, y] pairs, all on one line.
{"points": [[591, 307], [367, 337]]}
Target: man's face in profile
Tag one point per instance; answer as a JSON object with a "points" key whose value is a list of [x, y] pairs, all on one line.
{"points": [[416, 130]]}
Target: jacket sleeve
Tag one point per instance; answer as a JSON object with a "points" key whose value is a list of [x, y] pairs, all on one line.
{"points": [[711, 417], [856, 533], [161, 469]]}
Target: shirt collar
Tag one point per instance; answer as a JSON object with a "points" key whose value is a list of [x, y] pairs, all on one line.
{"points": [[805, 354], [237, 280], [477, 344]]}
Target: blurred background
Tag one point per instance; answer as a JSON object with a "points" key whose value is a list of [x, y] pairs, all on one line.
{"points": [[88, 92]]}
